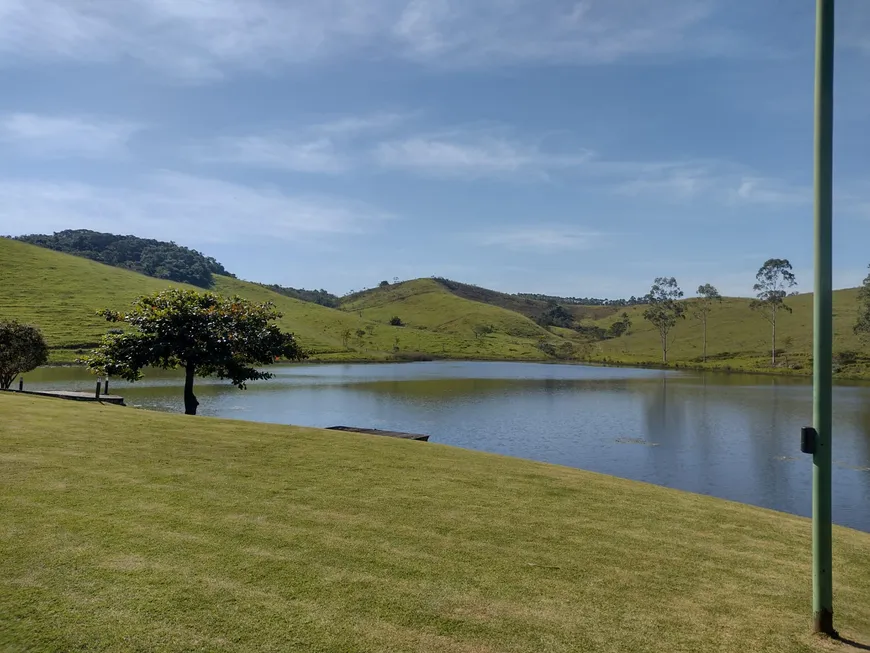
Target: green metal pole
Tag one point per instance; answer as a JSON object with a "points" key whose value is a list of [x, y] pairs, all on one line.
{"points": [[823, 614]]}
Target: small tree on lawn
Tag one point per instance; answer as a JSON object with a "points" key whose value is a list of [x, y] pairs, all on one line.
{"points": [[345, 337], [772, 281], [22, 348], [203, 333], [664, 309], [708, 296]]}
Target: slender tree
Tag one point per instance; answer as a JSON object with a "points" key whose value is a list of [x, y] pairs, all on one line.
{"points": [[772, 281], [708, 296], [664, 309], [22, 348], [862, 324], [202, 333]]}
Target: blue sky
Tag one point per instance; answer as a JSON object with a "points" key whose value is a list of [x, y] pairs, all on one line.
{"points": [[566, 147]]}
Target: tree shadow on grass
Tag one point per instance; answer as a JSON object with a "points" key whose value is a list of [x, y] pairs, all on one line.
{"points": [[853, 644]]}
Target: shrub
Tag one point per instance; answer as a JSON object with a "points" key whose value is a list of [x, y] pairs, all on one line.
{"points": [[846, 357], [22, 348], [396, 321]]}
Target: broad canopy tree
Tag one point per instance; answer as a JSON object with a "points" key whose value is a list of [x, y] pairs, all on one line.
{"points": [[202, 333], [772, 283], [22, 348], [708, 296], [664, 309]]}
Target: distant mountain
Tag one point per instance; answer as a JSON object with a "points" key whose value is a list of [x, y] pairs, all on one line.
{"points": [[321, 297], [154, 258], [546, 310], [584, 301]]}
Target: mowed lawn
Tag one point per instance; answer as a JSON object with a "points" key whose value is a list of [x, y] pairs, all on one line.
{"points": [[125, 530]]}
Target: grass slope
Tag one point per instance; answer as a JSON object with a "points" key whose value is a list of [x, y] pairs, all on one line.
{"points": [[524, 305], [426, 304], [741, 338], [127, 530], [61, 293]]}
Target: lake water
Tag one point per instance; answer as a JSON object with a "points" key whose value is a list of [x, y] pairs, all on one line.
{"points": [[731, 436]]}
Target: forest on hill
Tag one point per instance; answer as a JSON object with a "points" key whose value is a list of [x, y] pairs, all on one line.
{"points": [[154, 258]]}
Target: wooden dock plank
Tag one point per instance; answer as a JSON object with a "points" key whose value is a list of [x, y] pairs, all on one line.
{"points": [[74, 396], [389, 434]]}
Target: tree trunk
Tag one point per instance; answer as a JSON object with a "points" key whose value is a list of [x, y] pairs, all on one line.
{"points": [[705, 339], [664, 336], [190, 402], [773, 340]]}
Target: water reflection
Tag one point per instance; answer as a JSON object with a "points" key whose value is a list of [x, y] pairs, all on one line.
{"points": [[733, 436]]}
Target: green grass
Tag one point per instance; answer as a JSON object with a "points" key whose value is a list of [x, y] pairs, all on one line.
{"points": [[125, 530], [61, 293], [424, 304], [740, 339], [527, 306]]}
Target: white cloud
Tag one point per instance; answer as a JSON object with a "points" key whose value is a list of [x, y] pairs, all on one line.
{"points": [[172, 205], [201, 39], [541, 238], [317, 148], [350, 126], [473, 154], [760, 190], [65, 136], [491, 32], [721, 182], [278, 151], [671, 181]]}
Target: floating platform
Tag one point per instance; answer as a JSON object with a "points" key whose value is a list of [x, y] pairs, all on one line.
{"points": [[389, 434], [75, 396]]}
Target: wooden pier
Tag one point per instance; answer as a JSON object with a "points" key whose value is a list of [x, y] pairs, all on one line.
{"points": [[389, 434], [75, 396]]}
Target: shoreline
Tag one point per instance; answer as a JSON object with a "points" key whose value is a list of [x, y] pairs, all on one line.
{"points": [[677, 366]]}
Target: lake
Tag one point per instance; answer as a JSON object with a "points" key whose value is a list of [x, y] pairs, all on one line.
{"points": [[727, 435]]}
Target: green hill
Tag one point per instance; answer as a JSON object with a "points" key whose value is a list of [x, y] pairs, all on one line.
{"points": [[156, 258], [427, 304], [61, 293], [740, 338], [528, 306], [128, 530]]}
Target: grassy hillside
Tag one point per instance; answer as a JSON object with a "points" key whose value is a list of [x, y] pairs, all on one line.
{"points": [[61, 293], [741, 338], [527, 306], [426, 304], [157, 532]]}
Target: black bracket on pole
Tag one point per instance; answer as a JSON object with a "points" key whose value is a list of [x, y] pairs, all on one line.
{"points": [[809, 439]]}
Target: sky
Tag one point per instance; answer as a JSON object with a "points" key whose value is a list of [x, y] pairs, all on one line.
{"points": [[568, 147]]}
